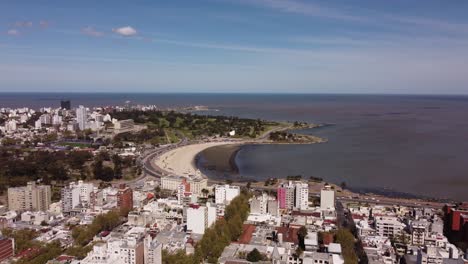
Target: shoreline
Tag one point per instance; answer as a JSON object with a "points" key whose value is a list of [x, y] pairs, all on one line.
{"points": [[182, 161], [225, 168]]}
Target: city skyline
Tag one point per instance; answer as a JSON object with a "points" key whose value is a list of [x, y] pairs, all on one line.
{"points": [[264, 46]]}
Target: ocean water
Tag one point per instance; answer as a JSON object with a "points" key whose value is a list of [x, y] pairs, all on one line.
{"points": [[411, 144]]}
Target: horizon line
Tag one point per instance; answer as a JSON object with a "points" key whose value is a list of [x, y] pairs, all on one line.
{"points": [[237, 93]]}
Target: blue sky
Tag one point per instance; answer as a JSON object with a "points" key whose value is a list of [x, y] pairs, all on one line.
{"points": [[333, 46]]}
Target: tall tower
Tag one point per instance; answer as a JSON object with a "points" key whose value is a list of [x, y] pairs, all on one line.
{"points": [[81, 117]]}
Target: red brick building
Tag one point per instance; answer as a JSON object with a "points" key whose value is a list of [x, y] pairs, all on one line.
{"points": [[125, 197], [456, 219], [7, 248]]}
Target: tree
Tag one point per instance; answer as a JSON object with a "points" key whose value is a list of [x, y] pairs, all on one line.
{"points": [[343, 185], [301, 234], [347, 242], [117, 166], [254, 256], [205, 192]]}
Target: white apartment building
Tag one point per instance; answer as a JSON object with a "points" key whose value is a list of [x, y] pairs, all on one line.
{"points": [[197, 185], [170, 183], [82, 117], [45, 119], [85, 190], [388, 226], [70, 197], [327, 198], [199, 218], [153, 251], [225, 193], [121, 249], [302, 196], [56, 120], [38, 124], [418, 232], [259, 204], [31, 197], [286, 194]]}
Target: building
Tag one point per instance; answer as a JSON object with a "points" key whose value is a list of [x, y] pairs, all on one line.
{"points": [[225, 193], [199, 218], [7, 248], [302, 196], [70, 196], [259, 204], [418, 232], [272, 207], [31, 197], [82, 117], [170, 183], [388, 226], [45, 119], [292, 195], [285, 195], [327, 198], [197, 185], [119, 249], [76, 194], [153, 251], [124, 125], [65, 104], [125, 197], [182, 190], [56, 120]]}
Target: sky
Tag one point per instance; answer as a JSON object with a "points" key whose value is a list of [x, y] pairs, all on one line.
{"points": [[235, 46]]}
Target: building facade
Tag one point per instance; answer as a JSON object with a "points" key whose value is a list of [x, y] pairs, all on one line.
{"points": [[125, 197], [31, 197], [225, 193]]}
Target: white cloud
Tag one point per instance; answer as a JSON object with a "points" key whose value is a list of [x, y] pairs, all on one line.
{"points": [[13, 32], [90, 31], [307, 8], [44, 24], [23, 24], [125, 31]]}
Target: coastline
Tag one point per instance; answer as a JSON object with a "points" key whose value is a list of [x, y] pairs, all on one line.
{"points": [[219, 161], [181, 161]]}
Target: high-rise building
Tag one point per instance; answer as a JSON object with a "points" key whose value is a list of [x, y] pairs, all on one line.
{"points": [[199, 218], [258, 205], [302, 196], [225, 193], [56, 120], [45, 119], [183, 189], [285, 195], [30, 197], [70, 197], [82, 117], [327, 198], [125, 197], [153, 251], [65, 104], [75, 194]]}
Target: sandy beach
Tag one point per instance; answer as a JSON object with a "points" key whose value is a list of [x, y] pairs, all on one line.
{"points": [[181, 161]]}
